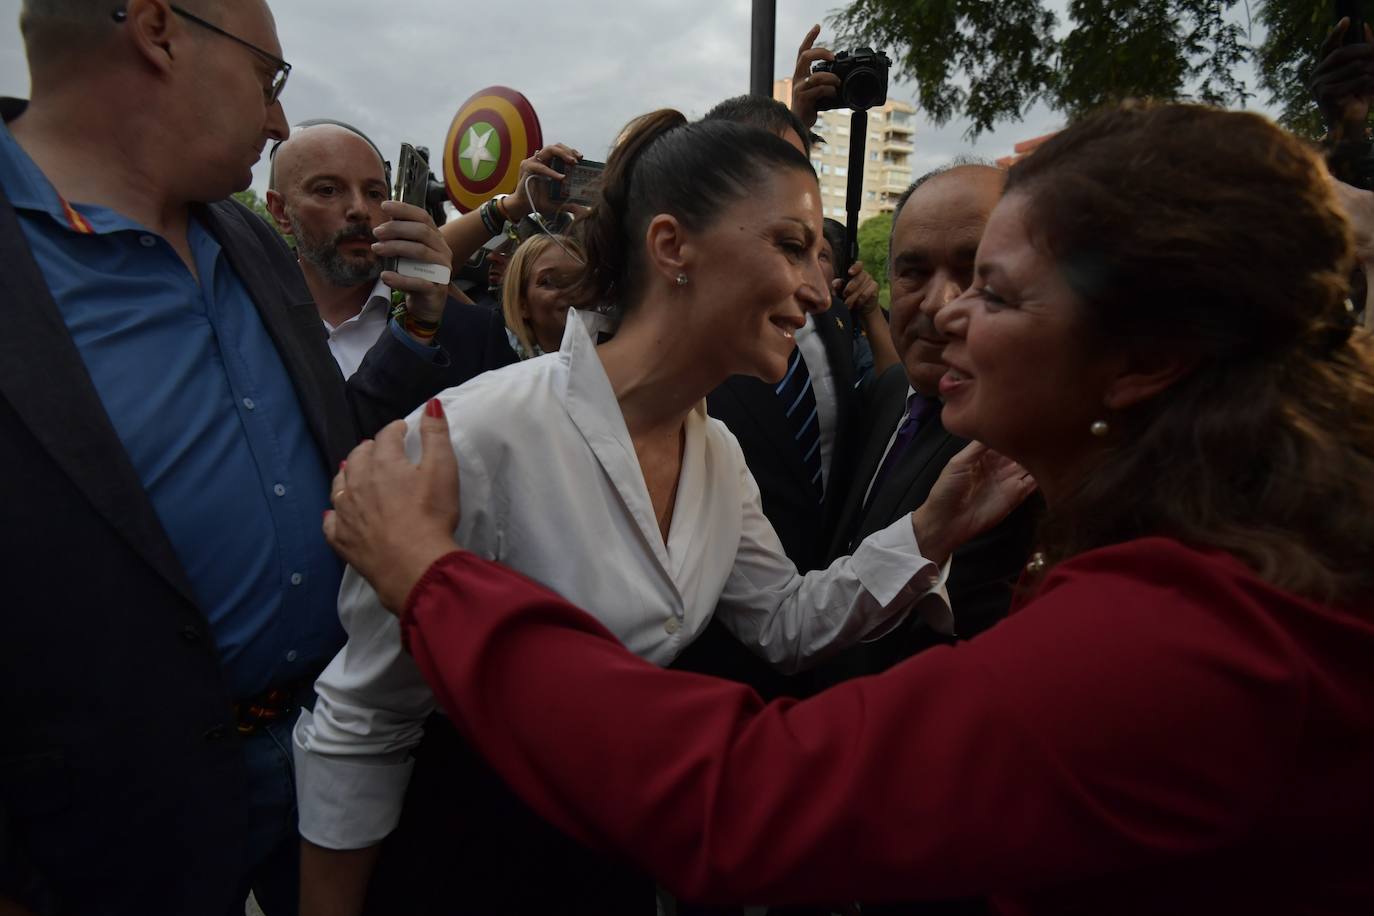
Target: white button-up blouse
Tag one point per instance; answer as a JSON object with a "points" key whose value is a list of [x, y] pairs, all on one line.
{"points": [[551, 486]]}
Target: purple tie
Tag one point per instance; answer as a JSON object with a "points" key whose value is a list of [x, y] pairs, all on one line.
{"points": [[918, 408]]}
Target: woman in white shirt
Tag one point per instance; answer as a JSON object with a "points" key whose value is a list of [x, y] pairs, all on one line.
{"points": [[596, 471]]}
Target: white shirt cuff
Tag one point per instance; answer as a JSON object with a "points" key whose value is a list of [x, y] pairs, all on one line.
{"points": [[345, 803], [890, 567]]}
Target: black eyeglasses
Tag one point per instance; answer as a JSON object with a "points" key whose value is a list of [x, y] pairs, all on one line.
{"points": [[280, 68]]}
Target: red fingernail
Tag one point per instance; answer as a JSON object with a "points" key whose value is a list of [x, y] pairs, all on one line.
{"points": [[434, 408], [343, 464]]}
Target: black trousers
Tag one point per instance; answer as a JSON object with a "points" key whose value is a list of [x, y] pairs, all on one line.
{"points": [[466, 845]]}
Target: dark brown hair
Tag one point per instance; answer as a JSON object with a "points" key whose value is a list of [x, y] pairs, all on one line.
{"points": [[663, 164], [1217, 235]]}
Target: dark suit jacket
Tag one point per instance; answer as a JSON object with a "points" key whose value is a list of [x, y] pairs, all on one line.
{"points": [[984, 570], [752, 411], [121, 776], [473, 339]]}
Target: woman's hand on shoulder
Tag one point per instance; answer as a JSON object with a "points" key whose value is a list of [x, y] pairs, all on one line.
{"points": [[976, 490], [392, 519]]}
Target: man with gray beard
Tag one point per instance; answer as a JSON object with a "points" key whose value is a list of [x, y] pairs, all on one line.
{"points": [[326, 190]]}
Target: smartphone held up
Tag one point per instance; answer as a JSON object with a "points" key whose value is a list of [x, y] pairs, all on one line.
{"points": [[412, 187]]}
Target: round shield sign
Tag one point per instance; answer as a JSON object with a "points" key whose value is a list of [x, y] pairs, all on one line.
{"points": [[493, 132]]}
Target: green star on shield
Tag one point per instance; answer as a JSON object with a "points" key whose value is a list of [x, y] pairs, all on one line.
{"points": [[480, 151]]}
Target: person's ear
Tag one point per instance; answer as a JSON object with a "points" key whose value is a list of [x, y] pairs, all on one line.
{"points": [[276, 205], [669, 251], [1141, 378], [155, 31]]}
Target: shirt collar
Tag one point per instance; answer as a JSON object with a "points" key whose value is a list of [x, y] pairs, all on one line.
{"points": [[379, 298], [24, 182], [379, 291], [918, 405], [29, 189]]}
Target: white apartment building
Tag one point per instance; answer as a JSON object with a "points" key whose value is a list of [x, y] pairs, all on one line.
{"points": [[887, 155]]}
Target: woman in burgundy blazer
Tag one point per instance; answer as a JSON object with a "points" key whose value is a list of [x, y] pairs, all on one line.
{"points": [[1179, 717]]}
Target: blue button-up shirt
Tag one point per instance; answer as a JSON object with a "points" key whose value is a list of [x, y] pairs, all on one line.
{"points": [[198, 395]]}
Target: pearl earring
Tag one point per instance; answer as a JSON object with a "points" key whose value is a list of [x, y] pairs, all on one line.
{"points": [[1099, 428], [681, 279]]}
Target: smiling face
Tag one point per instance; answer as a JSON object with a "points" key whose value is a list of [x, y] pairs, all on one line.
{"points": [[1023, 376], [331, 191], [545, 305], [934, 242], [756, 273]]}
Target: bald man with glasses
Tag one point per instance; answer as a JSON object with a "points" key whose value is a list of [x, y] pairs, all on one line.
{"points": [[170, 417]]}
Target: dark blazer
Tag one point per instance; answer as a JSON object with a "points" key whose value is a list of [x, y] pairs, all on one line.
{"points": [[752, 411], [984, 570], [473, 340], [121, 776], [754, 414]]}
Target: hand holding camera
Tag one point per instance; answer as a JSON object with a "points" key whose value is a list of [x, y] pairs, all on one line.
{"points": [[810, 88], [862, 75], [858, 289], [540, 166], [1343, 80]]}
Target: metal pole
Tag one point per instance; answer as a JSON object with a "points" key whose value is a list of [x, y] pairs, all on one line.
{"points": [[762, 30], [854, 197]]}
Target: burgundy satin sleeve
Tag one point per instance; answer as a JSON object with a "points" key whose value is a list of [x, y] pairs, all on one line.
{"points": [[1049, 750]]}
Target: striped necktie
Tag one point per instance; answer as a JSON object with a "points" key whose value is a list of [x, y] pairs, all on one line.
{"points": [[799, 403]]}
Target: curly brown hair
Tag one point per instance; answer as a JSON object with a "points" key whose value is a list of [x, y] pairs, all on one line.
{"points": [[1217, 235]]}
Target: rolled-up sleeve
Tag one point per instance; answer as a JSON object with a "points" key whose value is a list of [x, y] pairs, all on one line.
{"points": [[794, 621], [353, 751]]}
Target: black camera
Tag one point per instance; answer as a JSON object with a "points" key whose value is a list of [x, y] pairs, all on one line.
{"points": [[863, 79]]}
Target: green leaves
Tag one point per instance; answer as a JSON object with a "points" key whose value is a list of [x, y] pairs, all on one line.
{"points": [[997, 50], [873, 236], [989, 62]]}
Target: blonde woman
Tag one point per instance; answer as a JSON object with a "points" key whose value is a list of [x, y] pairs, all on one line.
{"points": [[534, 293]]}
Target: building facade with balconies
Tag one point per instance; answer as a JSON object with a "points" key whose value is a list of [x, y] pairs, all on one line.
{"points": [[887, 155]]}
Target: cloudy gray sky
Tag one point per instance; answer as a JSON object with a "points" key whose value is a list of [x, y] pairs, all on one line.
{"points": [[400, 70]]}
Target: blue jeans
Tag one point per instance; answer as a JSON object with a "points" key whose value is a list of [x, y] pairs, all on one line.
{"points": [[274, 844]]}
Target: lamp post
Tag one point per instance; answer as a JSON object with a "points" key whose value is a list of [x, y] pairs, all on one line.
{"points": [[763, 26]]}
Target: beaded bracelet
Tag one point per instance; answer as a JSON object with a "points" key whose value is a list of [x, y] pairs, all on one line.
{"points": [[487, 212], [418, 328]]}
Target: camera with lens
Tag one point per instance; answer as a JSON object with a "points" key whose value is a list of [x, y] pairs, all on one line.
{"points": [[863, 79]]}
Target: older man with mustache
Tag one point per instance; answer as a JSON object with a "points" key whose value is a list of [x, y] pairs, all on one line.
{"points": [[938, 225]]}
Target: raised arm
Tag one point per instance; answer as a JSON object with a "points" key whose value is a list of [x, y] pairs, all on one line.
{"points": [[794, 621], [469, 232], [1052, 749], [353, 750], [980, 769], [860, 293]]}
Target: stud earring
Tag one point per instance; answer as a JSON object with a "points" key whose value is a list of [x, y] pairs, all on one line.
{"points": [[1099, 428], [681, 279]]}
